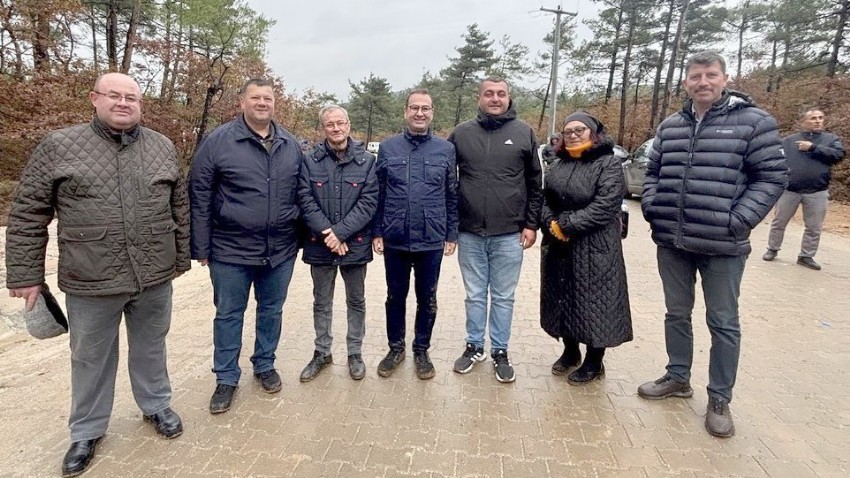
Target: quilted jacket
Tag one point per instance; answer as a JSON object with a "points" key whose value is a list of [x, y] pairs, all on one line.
{"points": [[121, 205], [709, 183], [340, 195], [583, 293]]}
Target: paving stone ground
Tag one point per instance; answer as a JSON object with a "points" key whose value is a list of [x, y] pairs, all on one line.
{"points": [[791, 408]]}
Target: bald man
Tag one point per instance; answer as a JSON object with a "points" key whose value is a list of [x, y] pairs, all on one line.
{"points": [[119, 197]]}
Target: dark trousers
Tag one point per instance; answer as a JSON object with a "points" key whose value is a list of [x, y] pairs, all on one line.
{"points": [[426, 272]]}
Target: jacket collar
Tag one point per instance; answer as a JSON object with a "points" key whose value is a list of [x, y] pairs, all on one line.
{"points": [[417, 139], [492, 122], [124, 138], [602, 148], [353, 152], [243, 132], [730, 100]]}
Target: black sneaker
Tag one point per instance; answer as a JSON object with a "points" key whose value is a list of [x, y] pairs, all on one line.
{"points": [[222, 398], [424, 367], [502, 366], [471, 355], [269, 380], [388, 365]]}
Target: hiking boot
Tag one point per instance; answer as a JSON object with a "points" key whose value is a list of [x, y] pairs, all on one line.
{"points": [[571, 358], [390, 362], [665, 387], [471, 355], [356, 367], [769, 255], [718, 418], [808, 262], [318, 363], [586, 374], [424, 367], [222, 398], [502, 366], [269, 380]]}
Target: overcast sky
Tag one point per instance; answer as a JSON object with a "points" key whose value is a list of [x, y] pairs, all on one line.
{"points": [[323, 45]]}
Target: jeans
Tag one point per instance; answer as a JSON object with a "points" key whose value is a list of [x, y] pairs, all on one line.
{"points": [[324, 280], [426, 272], [93, 324], [721, 286], [814, 212], [231, 284], [489, 264]]}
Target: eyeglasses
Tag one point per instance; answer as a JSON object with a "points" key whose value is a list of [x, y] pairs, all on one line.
{"points": [[338, 124], [575, 131], [117, 97], [422, 109]]}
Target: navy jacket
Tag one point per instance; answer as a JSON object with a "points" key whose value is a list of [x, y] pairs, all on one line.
{"points": [[243, 198], [809, 171], [417, 205], [708, 184], [340, 195]]}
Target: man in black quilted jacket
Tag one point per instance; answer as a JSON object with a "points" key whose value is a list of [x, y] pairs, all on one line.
{"points": [[119, 196], [715, 170]]}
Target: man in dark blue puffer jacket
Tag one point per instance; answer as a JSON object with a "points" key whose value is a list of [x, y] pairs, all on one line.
{"points": [[715, 170]]}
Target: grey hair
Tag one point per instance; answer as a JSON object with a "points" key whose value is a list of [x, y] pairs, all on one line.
{"points": [[328, 108], [705, 58]]}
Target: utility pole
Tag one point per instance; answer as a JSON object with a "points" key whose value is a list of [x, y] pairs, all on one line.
{"points": [[557, 48]]}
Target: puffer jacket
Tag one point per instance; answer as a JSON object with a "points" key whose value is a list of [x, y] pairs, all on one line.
{"points": [[121, 205], [499, 175], [708, 184], [810, 171], [417, 204], [244, 207], [341, 195]]}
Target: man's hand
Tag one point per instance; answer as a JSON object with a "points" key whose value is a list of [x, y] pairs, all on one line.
{"points": [[340, 250], [30, 294], [449, 248], [203, 262], [528, 238], [378, 245], [804, 145], [331, 240]]}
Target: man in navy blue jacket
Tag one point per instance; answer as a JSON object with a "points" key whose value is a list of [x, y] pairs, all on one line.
{"points": [[416, 224], [242, 189]]}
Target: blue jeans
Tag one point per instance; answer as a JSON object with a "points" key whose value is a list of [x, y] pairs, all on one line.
{"points": [[426, 271], [231, 284], [721, 285], [489, 265]]}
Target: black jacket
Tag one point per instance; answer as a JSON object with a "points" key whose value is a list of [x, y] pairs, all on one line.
{"points": [[340, 195], [499, 175], [708, 184], [809, 171]]}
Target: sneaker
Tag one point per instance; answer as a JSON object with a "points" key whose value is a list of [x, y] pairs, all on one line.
{"points": [[269, 380], [222, 398], [470, 357], [769, 255], [424, 367], [808, 262], [502, 366], [569, 359], [388, 365], [318, 363], [718, 418], [665, 387], [356, 367]]}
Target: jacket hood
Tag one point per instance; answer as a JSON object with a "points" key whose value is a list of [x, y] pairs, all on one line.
{"points": [[491, 122], [729, 100]]}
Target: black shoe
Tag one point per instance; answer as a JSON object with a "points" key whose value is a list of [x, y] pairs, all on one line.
{"points": [[269, 380], [166, 422], [586, 374], [318, 363], [356, 367], [424, 367], [571, 358], [390, 362], [79, 456], [471, 355], [808, 262], [769, 255], [502, 366], [221, 399]]}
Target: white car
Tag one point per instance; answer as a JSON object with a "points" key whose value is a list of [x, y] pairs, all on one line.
{"points": [[372, 147]]}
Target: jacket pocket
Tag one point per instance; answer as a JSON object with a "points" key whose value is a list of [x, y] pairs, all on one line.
{"points": [[435, 225], [435, 172], [86, 256], [163, 246], [394, 226]]}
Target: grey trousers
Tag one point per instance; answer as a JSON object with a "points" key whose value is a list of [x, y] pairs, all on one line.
{"points": [[93, 326], [324, 279], [814, 212]]}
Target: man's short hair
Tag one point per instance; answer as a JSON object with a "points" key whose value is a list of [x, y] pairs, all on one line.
{"points": [[494, 79], [705, 58], [258, 82], [417, 91], [806, 109], [328, 108]]}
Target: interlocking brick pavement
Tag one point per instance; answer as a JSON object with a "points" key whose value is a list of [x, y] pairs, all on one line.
{"points": [[791, 408]]}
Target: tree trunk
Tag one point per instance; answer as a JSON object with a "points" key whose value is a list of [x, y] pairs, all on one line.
{"points": [[674, 53], [745, 20], [130, 44], [212, 90], [40, 44], [612, 68], [838, 40], [545, 104], [111, 34], [656, 85], [93, 37], [621, 130]]}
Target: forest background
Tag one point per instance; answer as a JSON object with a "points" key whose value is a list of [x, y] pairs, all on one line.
{"points": [[191, 56]]}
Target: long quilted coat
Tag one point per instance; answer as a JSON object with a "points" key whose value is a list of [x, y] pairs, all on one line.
{"points": [[584, 295]]}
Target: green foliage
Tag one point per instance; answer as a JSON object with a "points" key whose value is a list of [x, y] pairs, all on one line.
{"points": [[374, 111]]}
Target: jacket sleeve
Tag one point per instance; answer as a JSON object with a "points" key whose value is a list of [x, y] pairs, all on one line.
{"points": [[828, 153], [31, 211], [364, 209], [312, 213], [451, 198], [381, 180], [767, 176], [180, 214], [533, 186], [650, 181], [604, 206], [202, 187]]}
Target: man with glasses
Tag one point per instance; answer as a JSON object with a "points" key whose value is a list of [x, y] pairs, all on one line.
{"points": [[499, 204], [119, 196], [242, 189], [338, 195], [416, 224]]}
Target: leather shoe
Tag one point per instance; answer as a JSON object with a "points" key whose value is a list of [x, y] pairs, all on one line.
{"points": [[79, 456], [166, 422], [769, 255], [808, 262], [585, 374], [318, 363], [269, 380], [356, 367], [221, 399]]}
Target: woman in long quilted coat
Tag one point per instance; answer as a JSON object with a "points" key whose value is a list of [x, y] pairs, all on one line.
{"points": [[584, 296]]}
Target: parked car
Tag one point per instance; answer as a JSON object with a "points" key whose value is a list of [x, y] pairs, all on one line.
{"points": [[634, 169], [372, 147], [621, 153]]}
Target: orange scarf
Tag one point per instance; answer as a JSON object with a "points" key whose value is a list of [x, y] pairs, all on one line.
{"points": [[577, 151]]}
